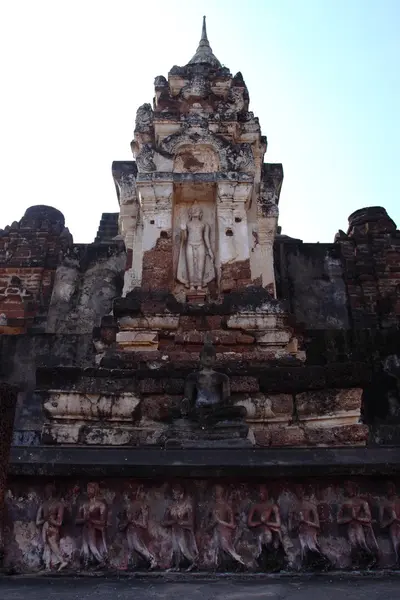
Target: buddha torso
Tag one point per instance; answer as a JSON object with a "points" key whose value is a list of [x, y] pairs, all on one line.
{"points": [[195, 232], [208, 388]]}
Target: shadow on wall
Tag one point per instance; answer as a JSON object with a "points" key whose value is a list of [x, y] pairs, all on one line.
{"points": [[310, 279]]}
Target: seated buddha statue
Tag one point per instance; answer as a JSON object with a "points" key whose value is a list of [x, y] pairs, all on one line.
{"points": [[207, 396]]}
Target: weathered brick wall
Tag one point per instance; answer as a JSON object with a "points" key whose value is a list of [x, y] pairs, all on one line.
{"points": [[310, 279], [37, 280], [23, 292], [236, 275], [371, 259], [157, 265], [30, 252], [351, 284], [34, 241], [346, 299], [51, 284]]}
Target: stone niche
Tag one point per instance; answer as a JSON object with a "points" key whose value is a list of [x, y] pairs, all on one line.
{"points": [[188, 199]]}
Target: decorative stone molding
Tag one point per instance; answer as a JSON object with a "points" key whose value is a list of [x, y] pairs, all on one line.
{"points": [[90, 407]]}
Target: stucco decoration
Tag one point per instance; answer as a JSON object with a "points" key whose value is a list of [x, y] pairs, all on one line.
{"points": [[196, 159]]}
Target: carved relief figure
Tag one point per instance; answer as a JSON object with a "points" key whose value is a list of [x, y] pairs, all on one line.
{"points": [[304, 517], [179, 518], [136, 526], [50, 518], [265, 516], [194, 250], [207, 393], [356, 514], [222, 522], [93, 516], [389, 517]]}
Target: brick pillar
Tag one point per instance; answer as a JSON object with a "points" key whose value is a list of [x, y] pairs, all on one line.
{"points": [[8, 399]]}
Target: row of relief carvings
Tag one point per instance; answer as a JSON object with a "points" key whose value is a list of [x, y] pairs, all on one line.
{"points": [[284, 534]]}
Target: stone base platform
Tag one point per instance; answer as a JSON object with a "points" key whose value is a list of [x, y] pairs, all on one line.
{"points": [[242, 509]]}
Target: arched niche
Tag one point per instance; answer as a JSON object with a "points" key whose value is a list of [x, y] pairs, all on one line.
{"points": [[192, 149], [186, 196]]}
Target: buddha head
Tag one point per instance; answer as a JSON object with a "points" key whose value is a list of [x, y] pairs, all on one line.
{"points": [[195, 211], [208, 354]]}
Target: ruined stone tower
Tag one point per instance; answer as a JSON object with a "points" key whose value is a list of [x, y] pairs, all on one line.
{"points": [[199, 144], [194, 389]]}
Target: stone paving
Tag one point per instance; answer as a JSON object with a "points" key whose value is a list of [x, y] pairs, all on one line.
{"points": [[324, 588]]}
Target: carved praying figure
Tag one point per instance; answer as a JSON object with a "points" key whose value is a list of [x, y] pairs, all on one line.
{"points": [[207, 397], [356, 514], [194, 270], [136, 526], [179, 518], [389, 516], [50, 518], [304, 517], [93, 516], [222, 522], [265, 516]]}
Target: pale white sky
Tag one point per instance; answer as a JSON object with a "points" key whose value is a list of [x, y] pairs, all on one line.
{"points": [[323, 78]]}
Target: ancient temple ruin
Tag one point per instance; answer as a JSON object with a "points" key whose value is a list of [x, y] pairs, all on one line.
{"points": [[195, 390]]}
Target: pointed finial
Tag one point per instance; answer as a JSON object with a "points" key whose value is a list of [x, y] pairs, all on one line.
{"points": [[204, 37], [204, 54]]}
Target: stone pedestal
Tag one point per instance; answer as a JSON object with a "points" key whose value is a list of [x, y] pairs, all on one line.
{"points": [[196, 297], [225, 434]]}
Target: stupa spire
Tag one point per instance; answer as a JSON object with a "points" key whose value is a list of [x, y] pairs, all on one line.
{"points": [[204, 53], [204, 38]]}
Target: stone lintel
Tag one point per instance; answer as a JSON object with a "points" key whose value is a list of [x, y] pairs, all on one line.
{"points": [[157, 177]]}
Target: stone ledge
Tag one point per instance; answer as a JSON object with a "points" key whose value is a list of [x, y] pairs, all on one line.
{"points": [[289, 377], [248, 462], [166, 577]]}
